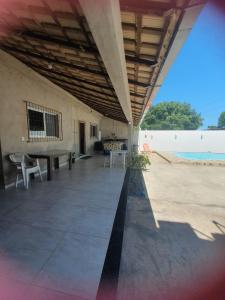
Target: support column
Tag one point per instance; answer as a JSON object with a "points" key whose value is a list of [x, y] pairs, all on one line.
{"points": [[130, 138], [136, 132], [104, 19]]}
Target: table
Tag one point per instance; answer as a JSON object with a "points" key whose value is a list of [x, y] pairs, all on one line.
{"points": [[113, 153], [50, 156]]}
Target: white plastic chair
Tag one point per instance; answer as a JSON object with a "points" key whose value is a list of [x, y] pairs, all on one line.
{"points": [[118, 158], [22, 160], [107, 161]]}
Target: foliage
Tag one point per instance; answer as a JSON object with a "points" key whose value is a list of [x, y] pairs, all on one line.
{"points": [[172, 116], [212, 127], [139, 161], [221, 121]]}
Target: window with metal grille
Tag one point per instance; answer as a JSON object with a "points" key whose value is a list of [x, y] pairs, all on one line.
{"points": [[93, 131], [44, 124]]}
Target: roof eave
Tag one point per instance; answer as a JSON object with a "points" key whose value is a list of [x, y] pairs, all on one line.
{"points": [[187, 22]]}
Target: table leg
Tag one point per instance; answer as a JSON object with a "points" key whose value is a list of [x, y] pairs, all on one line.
{"points": [[49, 168], [124, 160], [56, 162], [111, 160], [70, 161]]}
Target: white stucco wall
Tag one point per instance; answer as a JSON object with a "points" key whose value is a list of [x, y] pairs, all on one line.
{"points": [[184, 141], [110, 127]]}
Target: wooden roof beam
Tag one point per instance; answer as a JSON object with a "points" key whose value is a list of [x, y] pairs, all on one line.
{"points": [[131, 40], [142, 84], [69, 65], [91, 97], [63, 43], [137, 95], [105, 112], [140, 61], [103, 109], [103, 100], [133, 27], [94, 99], [81, 48], [99, 104], [51, 71], [135, 108], [146, 7], [79, 86], [137, 103], [51, 60], [102, 105]]}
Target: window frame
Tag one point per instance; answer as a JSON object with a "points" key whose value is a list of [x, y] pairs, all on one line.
{"points": [[95, 127], [35, 135]]}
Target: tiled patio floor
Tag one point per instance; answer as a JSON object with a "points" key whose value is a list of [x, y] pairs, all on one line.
{"points": [[54, 237]]}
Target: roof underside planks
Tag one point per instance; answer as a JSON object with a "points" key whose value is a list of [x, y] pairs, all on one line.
{"points": [[148, 27], [54, 39]]}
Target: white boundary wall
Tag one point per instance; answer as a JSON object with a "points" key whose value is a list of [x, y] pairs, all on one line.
{"points": [[183, 140]]}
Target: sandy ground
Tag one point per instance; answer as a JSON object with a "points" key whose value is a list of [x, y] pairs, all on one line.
{"points": [[188, 194], [174, 239]]}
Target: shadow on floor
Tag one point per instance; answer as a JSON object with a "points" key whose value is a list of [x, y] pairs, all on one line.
{"points": [[166, 260]]}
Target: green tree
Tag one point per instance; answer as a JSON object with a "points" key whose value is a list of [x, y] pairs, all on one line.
{"points": [[221, 121], [172, 116], [212, 127]]}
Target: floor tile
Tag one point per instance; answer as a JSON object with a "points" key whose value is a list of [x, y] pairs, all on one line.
{"points": [[23, 236], [55, 235], [22, 264], [76, 266]]}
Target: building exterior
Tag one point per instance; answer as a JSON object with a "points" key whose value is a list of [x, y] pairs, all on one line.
{"points": [[74, 73], [31, 87]]}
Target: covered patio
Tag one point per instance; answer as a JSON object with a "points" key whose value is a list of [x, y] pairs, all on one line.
{"points": [[79, 72], [74, 74], [55, 235]]}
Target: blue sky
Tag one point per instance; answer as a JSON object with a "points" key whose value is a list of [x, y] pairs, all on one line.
{"points": [[198, 73]]}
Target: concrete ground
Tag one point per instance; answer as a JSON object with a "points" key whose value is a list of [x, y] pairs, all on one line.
{"points": [[54, 237], [174, 239]]}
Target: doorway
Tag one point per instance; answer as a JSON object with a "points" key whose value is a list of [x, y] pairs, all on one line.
{"points": [[82, 137], [2, 183]]}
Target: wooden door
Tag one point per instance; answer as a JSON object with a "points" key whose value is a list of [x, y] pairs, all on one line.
{"points": [[82, 137]]}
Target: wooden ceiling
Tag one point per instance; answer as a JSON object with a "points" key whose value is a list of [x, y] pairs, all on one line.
{"points": [[54, 39], [148, 29]]}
